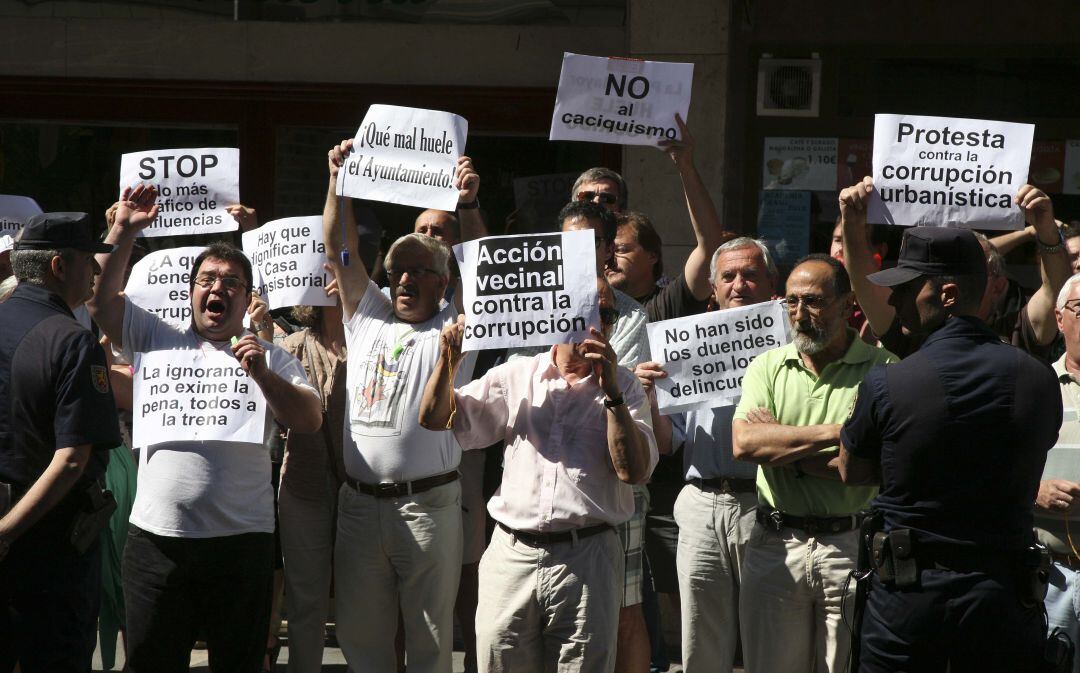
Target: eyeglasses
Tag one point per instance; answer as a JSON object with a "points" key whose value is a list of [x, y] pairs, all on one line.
{"points": [[1073, 307], [609, 316], [812, 302], [230, 283], [606, 198], [413, 271]]}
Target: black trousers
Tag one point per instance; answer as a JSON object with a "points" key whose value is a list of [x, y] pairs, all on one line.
{"points": [[49, 601], [970, 622], [174, 586]]}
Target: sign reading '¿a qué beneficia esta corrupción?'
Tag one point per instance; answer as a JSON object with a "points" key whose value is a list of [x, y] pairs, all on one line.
{"points": [[528, 290], [406, 156], [947, 172], [194, 188], [159, 283], [706, 355], [619, 100]]}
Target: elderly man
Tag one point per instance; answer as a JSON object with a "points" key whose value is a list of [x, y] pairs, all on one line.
{"points": [[577, 434], [953, 587], [202, 538], [805, 542], [1058, 500], [715, 509], [403, 488], [57, 424]]}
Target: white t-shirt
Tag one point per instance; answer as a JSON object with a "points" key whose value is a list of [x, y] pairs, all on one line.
{"points": [[201, 489], [389, 364]]}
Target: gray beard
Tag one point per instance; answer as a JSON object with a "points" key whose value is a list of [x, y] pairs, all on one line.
{"points": [[809, 344]]}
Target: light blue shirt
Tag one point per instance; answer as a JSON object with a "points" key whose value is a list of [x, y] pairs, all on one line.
{"points": [[706, 447]]}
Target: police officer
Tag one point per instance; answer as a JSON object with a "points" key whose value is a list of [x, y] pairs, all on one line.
{"points": [[957, 433], [57, 422]]}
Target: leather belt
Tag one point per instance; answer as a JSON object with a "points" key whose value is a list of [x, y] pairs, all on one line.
{"points": [[776, 520], [391, 489], [531, 538], [726, 484]]}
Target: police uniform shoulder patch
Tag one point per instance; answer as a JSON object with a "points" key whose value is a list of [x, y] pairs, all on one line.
{"points": [[99, 377]]}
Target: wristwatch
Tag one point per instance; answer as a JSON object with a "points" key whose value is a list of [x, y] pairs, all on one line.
{"points": [[471, 205], [612, 403], [1051, 249]]}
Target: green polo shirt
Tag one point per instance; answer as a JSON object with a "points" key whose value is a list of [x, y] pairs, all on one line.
{"points": [[779, 381]]}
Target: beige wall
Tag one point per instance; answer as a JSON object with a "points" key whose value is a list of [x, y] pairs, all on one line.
{"points": [[693, 31]]}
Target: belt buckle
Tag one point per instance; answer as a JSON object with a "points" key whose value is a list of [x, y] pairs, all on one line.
{"points": [[386, 489], [777, 520]]}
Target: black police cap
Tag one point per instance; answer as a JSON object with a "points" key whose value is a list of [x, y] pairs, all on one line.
{"points": [[51, 231], [934, 251]]}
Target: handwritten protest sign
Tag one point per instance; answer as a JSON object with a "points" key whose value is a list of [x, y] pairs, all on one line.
{"points": [[532, 290], [621, 101], [14, 212], [286, 258], [405, 155], [946, 172], [800, 163], [159, 283], [200, 395], [194, 186], [706, 355]]}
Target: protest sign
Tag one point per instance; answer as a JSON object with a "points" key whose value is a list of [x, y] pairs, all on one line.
{"points": [[194, 186], [800, 163], [706, 355], [195, 395], [946, 172], [405, 155], [619, 100], [784, 224], [531, 290], [160, 284], [14, 212], [6, 243], [286, 259]]}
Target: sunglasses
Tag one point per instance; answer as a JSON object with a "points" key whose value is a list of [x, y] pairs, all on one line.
{"points": [[605, 197]]}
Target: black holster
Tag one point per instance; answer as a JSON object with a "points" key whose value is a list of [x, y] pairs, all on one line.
{"points": [[871, 525], [92, 516]]}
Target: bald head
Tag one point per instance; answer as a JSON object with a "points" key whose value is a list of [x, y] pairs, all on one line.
{"points": [[440, 225]]}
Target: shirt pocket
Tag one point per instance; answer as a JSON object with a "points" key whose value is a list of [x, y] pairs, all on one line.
{"points": [[586, 454]]}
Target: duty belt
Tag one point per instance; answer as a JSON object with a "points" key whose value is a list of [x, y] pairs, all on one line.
{"points": [[391, 489], [774, 519], [531, 538], [725, 484]]}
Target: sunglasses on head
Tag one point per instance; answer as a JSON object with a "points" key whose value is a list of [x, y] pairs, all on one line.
{"points": [[605, 197]]}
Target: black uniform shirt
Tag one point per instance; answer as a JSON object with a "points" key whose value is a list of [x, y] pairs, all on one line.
{"points": [[54, 388], [961, 429]]}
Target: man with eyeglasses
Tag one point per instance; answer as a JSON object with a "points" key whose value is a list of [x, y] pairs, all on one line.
{"points": [[200, 549], [1025, 323], [805, 541], [577, 433], [957, 435], [399, 535]]}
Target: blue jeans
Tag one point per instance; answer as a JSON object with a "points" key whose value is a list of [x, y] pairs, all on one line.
{"points": [[49, 599], [172, 586]]}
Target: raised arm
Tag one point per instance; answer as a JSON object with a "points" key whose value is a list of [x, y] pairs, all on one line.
{"points": [[647, 373], [134, 212], [873, 300], [1054, 266], [339, 229], [627, 446], [761, 439], [467, 181], [703, 216]]}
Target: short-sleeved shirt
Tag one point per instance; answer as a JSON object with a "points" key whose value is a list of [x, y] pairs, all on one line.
{"points": [[779, 381], [961, 429], [54, 389], [557, 471], [202, 489], [1062, 464], [674, 300], [389, 364]]}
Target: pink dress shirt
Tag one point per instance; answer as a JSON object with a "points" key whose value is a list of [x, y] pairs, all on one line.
{"points": [[557, 471]]}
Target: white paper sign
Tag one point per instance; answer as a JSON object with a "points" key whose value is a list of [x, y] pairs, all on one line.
{"points": [[529, 290], [195, 395], [620, 101], [194, 187], [15, 211], [807, 164], [6, 243], [706, 355], [405, 155], [946, 172], [159, 283], [286, 259]]}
